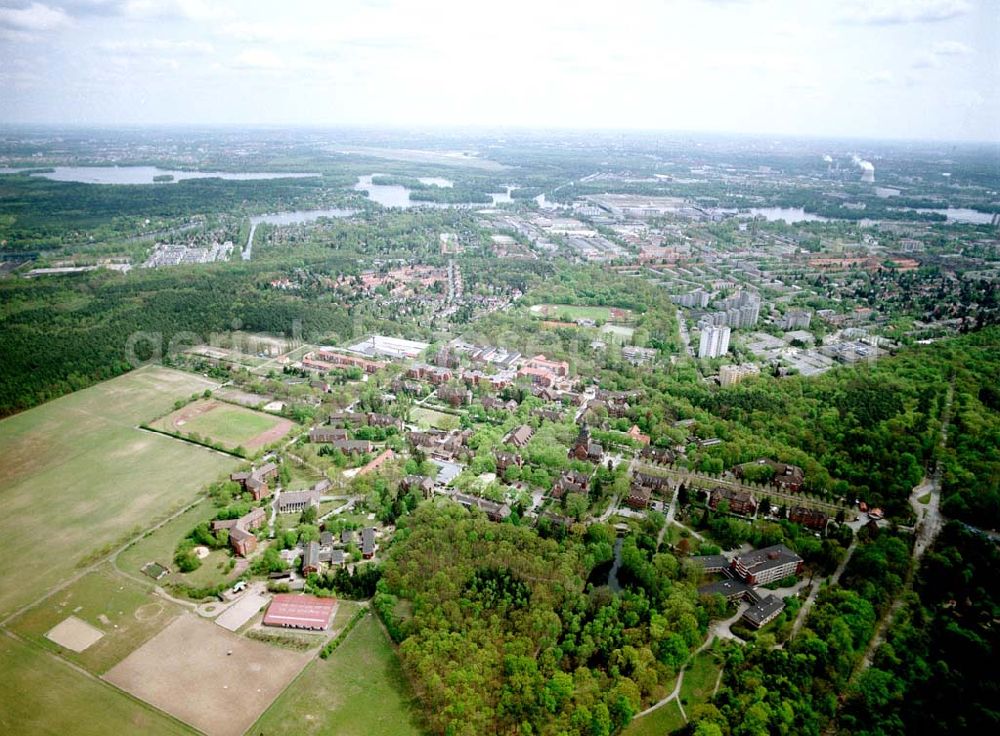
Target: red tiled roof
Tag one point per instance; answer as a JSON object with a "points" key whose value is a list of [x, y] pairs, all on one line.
{"points": [[300, 611]]}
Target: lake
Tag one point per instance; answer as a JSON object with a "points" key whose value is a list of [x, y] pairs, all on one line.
{"points": [[145, 174], [294, 218], [288, 218], [395, 195], [790, 215], [964, 215]]}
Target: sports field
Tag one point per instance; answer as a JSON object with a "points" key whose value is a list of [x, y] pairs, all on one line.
{"points": [[570, 312], [78, 476], [360, 690], [42, 695], [232, 426]]}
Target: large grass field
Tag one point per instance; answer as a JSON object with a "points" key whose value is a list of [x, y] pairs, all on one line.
{"points": [[79, 475], [232, 426], [120, 608], [660, 722], [431, 419], [571, 312], [44, 696], [359, 691]]}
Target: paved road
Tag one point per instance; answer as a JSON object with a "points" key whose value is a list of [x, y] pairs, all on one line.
{"points": [[929, 523]]}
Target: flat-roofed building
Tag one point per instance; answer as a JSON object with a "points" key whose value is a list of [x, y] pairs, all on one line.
{"points": [[764, 612], [763, 566], [300, 612]]}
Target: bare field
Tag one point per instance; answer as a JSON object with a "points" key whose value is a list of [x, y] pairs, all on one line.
{"points": [[79, 466], [42, 695], [122, 611], [214, 680]]}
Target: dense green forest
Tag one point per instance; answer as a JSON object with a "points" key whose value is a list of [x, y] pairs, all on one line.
{"points": [[793, 689], [936, 671], [501, 632], [36, 212], [63, 334]]}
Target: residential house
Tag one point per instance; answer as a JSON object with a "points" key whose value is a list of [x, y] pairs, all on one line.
{"points": [[353, 447], [571, 481], [368, 545], [455, 396], [807, 517], [310, 558], [255, 480], [540, 362], [741, 503], [519, 436], [495, 511], [421, 484], [638, 497], [787, 477], [658, 455], [506, 460], [636, 434], [384, 420], [291, 502], [241, 536], [585, 448], [328, 434]]}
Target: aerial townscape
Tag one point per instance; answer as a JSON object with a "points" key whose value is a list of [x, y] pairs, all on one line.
{"points": [[561, 430]]}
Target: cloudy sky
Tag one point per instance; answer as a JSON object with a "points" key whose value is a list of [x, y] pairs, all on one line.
{"points": [[872, 68]]}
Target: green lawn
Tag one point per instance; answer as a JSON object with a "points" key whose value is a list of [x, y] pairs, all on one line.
{"points": [[662, 721], [122, 609], [700, 677], [79, 476], [925, 499], [359, 691], [430, 419], [231, 425], [45, 697], [161, 544]]}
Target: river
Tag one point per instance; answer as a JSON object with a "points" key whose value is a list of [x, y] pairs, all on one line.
{"points": [[145, 174]]}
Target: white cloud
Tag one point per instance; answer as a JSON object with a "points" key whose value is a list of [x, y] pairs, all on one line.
{"points": [[35, 17], [951, 48], [894, 12], [156, 46], [258, 59], [187, 9], [881, 77]]}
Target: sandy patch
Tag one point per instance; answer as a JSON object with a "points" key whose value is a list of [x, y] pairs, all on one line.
{"points": [[75, 634]]}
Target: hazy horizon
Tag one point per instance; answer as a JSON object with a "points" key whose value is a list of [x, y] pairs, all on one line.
{"points": [[890, 70]]}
